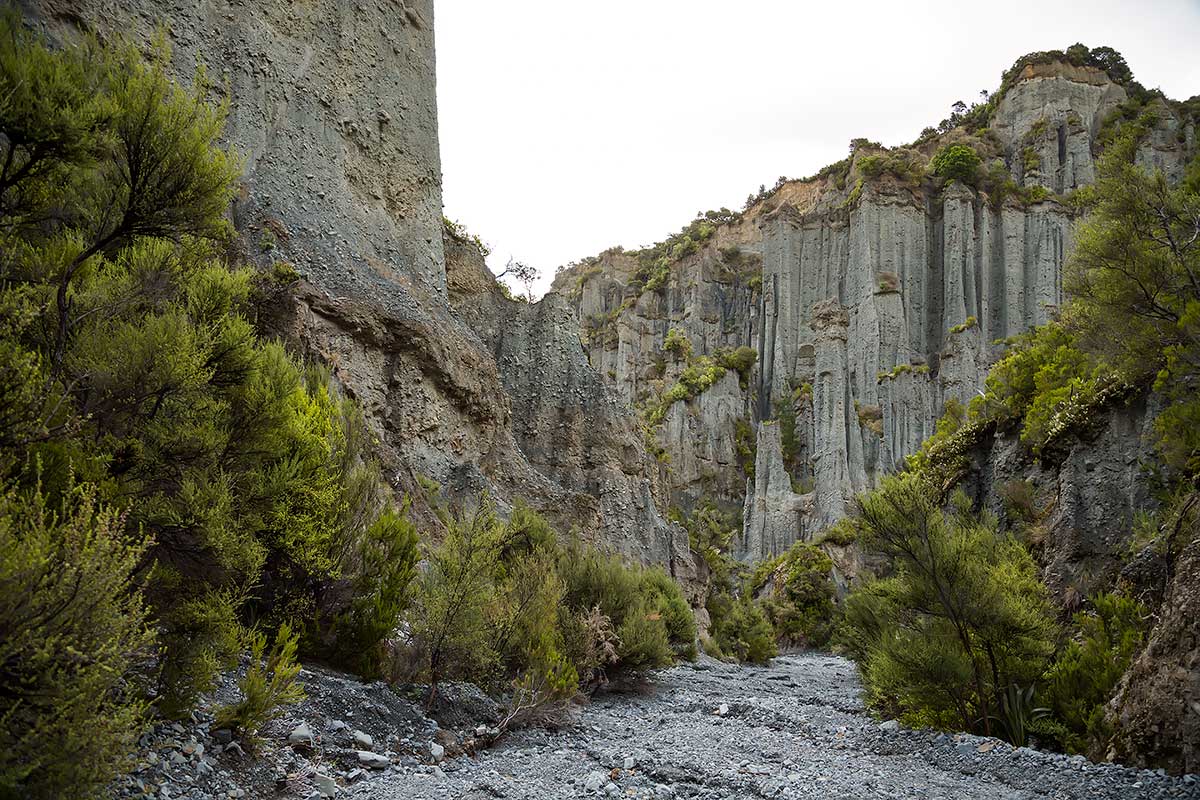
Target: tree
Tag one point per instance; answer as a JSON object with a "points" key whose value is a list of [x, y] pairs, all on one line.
{"points": [[449, 618], [956, 162], [963, 618], [135, 368], [71, 628], [522, 272], [1136, 268]]}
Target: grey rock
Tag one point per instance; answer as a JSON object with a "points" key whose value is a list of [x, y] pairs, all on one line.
{"points": [[373, 760], [302, 734], [325, 784]]}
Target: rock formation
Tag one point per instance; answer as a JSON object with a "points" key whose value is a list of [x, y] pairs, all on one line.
{"points": [[332, 106], [881, 296]]}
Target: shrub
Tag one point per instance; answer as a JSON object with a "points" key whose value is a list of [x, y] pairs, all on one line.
{"points": [[665, 596], [1084, 674], [383, 569], [741, 628], [449, 618], [963, 617], [905, 165], [266, 686], [746, 444], [800, 596], [741, 361], [72, 627], [678, 345], [956, 162]]}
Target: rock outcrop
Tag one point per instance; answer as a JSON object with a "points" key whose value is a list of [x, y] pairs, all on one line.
{"points": [[874, 297], [332, 107]]}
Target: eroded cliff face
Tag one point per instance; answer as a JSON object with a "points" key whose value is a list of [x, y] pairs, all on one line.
{"points": [[332, 106], [872, 298]]}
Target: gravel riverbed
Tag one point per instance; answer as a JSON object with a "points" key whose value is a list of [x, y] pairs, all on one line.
{"points": [[796, 729]]}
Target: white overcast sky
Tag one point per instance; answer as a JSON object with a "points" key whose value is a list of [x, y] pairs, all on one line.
{"points": [[568, 126]]}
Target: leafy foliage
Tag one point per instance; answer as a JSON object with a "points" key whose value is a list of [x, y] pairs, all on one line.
{"points": [[957, 162], [267, 685], [1085, 672], [799, 594], [71, 626], [131, 365], [963, 617], [504, 603], [741, 628]]}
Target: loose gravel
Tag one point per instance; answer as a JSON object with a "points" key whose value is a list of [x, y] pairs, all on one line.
{"points": [[796, 729]]}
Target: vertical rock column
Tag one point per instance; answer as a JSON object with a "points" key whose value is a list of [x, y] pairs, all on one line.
{"points": [[836, 429]]}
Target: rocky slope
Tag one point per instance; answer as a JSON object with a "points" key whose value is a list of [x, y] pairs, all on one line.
{"points": [[333, 109], [872, 296]]}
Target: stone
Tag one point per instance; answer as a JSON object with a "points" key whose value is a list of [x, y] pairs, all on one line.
{"points": [[436, 751], [302, 734], [594, 781], [629, 762], [889, 725], [363, 740], [325, 784], [373, 760], [722, 709]]}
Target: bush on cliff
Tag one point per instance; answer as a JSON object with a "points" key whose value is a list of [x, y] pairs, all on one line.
{"points": [[957, 162]]}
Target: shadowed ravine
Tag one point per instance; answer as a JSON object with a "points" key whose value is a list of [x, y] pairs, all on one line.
{"points": [[795, 729]]}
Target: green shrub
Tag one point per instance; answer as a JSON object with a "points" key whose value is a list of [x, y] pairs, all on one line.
{"points": [[678, 345], [905, 165], [842, 533], [72, 627], [449, 618], [741, 628], [963, 617], [746, 444], [957, 162], [1085, 673], [799, 600], [665, 596], [266, 686], [741, 361], [644, 643], [382, 571]]}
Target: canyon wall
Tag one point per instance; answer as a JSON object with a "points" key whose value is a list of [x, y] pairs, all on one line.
{"points": [[874, 299], [332, 107]]}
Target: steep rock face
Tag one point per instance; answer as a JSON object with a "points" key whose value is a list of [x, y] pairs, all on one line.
{"points": [[1079, 500], [880, 296], [1156, 712], [332, 107], [1078, 507], [570, 425]]}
